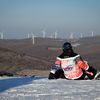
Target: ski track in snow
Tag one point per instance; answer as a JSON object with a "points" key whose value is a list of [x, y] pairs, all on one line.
{"points": [[40, 88]]}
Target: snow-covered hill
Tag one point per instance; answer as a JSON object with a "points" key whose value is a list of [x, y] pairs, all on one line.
{"points": [[40, 88]]}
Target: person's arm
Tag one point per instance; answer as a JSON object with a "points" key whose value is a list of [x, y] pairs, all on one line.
{"points": [[54, 68], [82, 64]]}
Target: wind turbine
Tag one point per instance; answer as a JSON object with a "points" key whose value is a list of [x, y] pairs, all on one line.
{"points": [[44, 33], [1, 35], [33, 37], [55, 34], [81, 35], [92, 33], [71, 35], [28, 35]]}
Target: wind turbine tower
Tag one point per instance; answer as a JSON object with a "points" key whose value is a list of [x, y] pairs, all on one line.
{"points": [[92, 34], [81, 35], [55, 35], [43, 33], [33, 39], [71, 36], [28, 35], [1, 35]]}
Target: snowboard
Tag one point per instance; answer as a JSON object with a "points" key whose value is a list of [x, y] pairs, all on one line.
{"points": [[97, 76]]}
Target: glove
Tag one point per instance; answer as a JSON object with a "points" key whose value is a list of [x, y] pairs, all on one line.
{"points": [[51, 76]]}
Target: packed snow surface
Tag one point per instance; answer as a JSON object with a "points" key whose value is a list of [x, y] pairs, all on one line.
{"points": [[40, 88]]}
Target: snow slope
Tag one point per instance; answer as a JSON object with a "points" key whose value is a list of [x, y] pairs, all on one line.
{"points": [[40, 88]]}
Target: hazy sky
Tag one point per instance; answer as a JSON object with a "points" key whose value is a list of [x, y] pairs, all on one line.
{"points": [[22, 16]]}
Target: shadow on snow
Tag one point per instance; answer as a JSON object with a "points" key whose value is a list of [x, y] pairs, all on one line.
{"points": [[16, 81]]}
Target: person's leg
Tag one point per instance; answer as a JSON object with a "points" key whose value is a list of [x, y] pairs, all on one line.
{"points": [[91, 72], [59, 74], [82, 77]]}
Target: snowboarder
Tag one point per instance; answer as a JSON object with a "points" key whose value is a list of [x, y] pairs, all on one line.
{"points": [[70, 65]]}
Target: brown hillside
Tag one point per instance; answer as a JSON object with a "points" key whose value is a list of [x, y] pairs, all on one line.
{"points": [[22, 57]]}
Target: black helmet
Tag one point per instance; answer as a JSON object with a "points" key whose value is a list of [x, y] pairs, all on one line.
{"points": [[67, 46]]}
